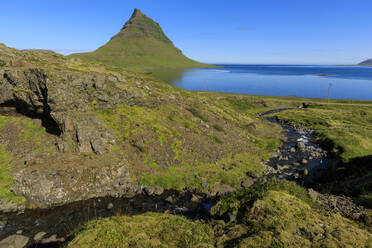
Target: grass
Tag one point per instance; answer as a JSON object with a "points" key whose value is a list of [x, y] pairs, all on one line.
{"points": [[242, 105], [230, 170], [147, 230], [186, 154]]}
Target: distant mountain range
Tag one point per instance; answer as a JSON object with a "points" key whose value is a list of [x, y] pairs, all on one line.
{"points": [[141, 43], [366, 62]]}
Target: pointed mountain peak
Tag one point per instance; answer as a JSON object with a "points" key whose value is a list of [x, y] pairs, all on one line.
{"points": [[139, 21], [136, 12], [140, 43]]}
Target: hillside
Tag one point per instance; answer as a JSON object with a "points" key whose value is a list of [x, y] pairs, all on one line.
{"points": [[366, 62], [79, 142], [141, 43]]}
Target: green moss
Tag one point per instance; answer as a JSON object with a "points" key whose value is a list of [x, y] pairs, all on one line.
{"points": [[32, 133], [284, 218], [197, 114], [147, 230], [6, 178], [217, 140], [4, 120], [279, 213], [243, 199], [268, 144], [21, 90], [218, 128], [171, 117], [153, 165]]}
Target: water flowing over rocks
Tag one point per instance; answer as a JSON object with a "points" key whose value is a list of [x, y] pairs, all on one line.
{"points": [[298, 158]]}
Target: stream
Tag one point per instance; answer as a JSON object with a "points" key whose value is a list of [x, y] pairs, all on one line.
{"points": [[297, 159]]}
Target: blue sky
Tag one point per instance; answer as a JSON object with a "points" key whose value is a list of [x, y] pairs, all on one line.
{"points": [[219, 31]]}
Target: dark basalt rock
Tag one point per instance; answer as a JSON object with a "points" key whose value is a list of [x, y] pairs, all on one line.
{"points": [[33, 93]]}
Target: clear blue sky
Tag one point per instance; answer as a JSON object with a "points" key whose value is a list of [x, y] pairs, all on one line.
{"points": [[214, 31]]}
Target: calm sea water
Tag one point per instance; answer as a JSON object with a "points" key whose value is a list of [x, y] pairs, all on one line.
{"points": [[348, 82]]}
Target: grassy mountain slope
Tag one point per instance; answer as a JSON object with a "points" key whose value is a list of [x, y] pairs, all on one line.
{"points": [[140, 44]]}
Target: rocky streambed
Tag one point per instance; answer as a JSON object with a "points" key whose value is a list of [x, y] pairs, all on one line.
{"points": [[51, 227], [297, 159]]}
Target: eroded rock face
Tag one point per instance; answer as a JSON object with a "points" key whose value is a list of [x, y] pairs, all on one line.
{"points": [[61, 101]]}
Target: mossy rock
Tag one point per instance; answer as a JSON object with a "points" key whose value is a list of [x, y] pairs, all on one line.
{"points": [[147, 230]]}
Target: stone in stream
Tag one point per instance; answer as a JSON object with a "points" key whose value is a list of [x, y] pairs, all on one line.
{"points": [[39, 236], [170, 199], [296, 176], [305, 172], [52, 239], [110, 206], [252, 174], [194, 198], [296, 164], [301, 146], [293, 150], [247, 182], [304, 161], [150, 190], [14, 241]]}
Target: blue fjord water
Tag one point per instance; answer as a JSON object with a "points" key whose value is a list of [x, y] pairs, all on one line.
{"points": [[348, 82]]}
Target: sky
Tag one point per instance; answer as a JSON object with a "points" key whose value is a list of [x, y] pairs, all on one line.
{"points": [[218, 31]]}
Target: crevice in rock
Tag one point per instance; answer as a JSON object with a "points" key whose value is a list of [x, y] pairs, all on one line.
{"points": [[23, 108]]}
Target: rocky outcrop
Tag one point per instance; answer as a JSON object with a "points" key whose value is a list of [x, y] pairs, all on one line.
{"points": [[62, 102], [340, 204], [46, 188]]}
